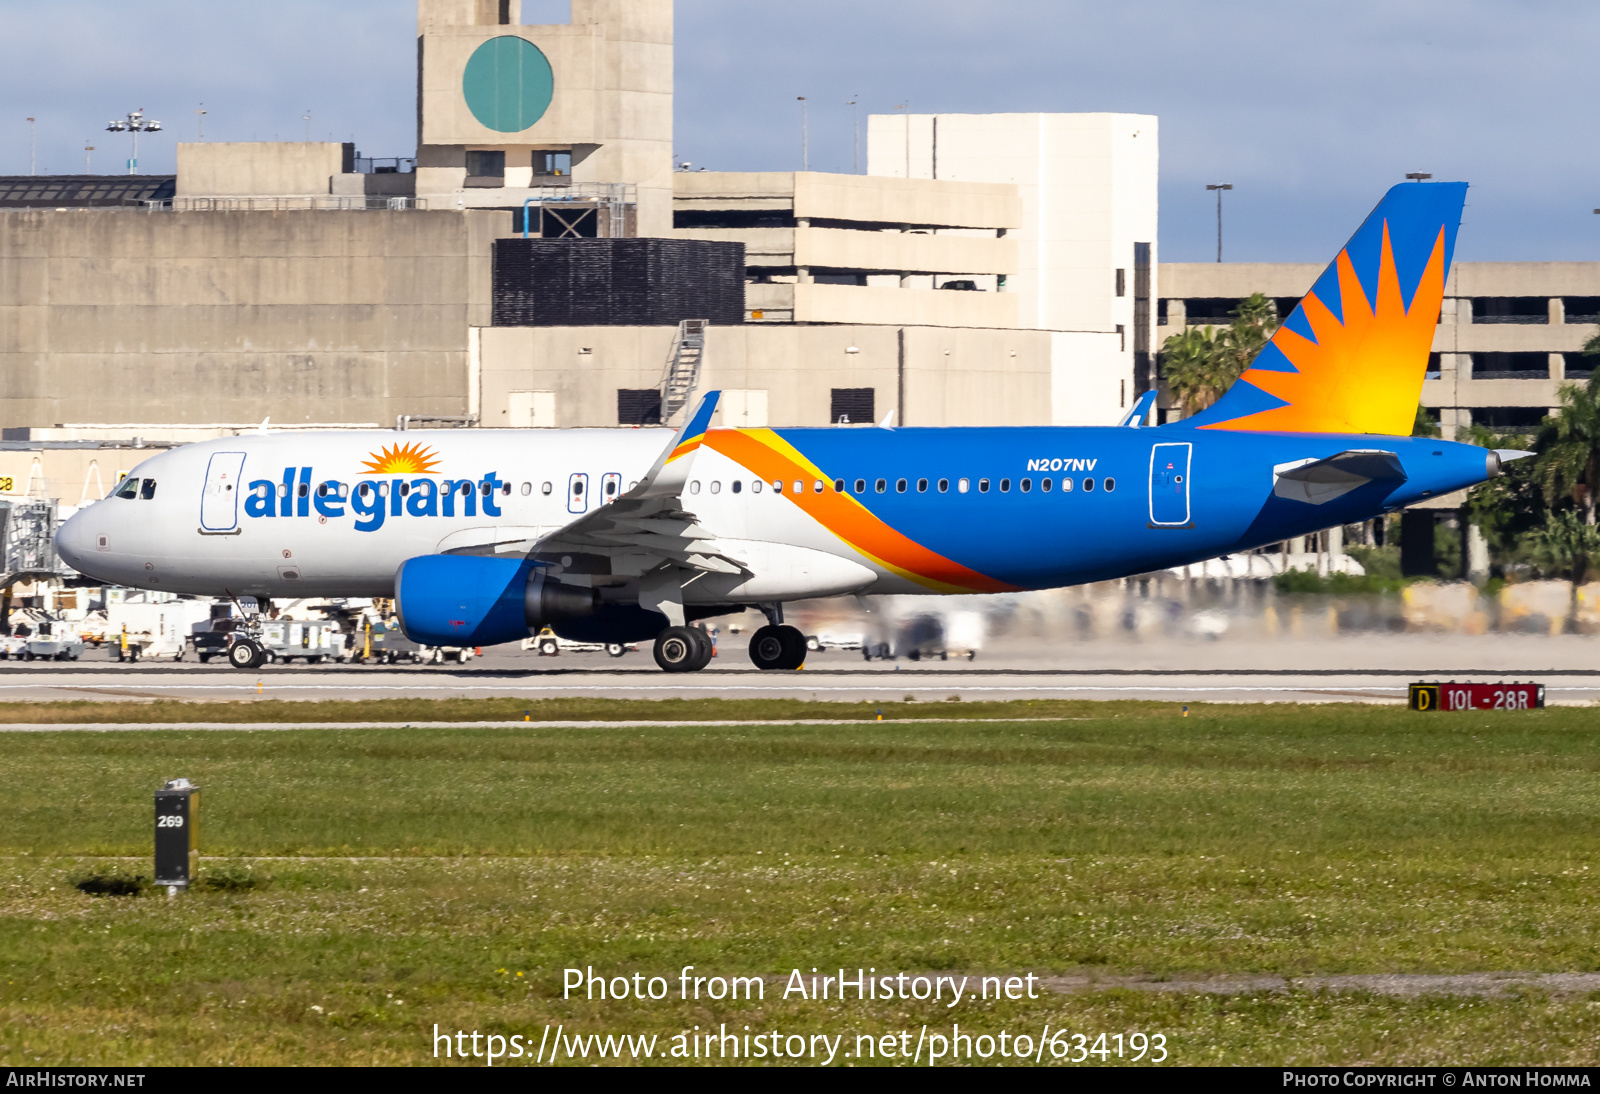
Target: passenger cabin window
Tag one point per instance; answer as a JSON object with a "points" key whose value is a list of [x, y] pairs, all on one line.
{"points": [[1111, 484], [1044, 484], [1005, 486], [983, 486], [737, 486], [1088, 485], [944, 486], [922, 486], [900, 486], [755, 487], [128, 489], [546, 489], [961, 486], [1027, 484], [694, 487], [716, 487], [861, 486], [881, 485], [838, 486], [1066, 486], [527, 488]]}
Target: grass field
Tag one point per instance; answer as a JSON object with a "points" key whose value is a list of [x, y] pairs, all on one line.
{"points": [[367, 884]]}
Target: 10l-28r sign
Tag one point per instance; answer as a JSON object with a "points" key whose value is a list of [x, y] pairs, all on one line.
{"points": [[1454, 696]]}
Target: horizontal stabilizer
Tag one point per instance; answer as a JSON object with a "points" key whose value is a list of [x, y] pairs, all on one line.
{"points": [[1317, 482]]}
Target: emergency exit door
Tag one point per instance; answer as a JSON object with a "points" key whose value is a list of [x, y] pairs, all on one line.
{"points": [[1169, 484], [219, 499], [578, 493]]}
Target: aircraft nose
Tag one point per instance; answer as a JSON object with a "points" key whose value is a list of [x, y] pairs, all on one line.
{"points": [[74, 542]]}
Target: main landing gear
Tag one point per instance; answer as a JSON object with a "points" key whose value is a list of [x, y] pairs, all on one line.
{"points": [[683, 649], [778, 647]]}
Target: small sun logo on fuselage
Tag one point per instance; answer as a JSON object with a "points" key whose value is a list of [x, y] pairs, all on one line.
{"points": [[406, 459]]}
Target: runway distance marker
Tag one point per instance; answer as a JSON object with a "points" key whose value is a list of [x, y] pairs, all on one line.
{"points": [[1453, 696]]}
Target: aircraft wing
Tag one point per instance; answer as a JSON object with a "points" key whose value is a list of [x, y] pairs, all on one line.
{"points": [[646, 526], [1317, 482]]}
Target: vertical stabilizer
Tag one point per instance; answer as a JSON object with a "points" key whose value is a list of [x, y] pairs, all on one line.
{"points": [[1351, 356]]}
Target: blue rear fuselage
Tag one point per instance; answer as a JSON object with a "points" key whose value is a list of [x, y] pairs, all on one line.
{"points": [[1111, 507]]}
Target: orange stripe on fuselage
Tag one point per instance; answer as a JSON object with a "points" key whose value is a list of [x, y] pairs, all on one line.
{"points": [[773, 459]]}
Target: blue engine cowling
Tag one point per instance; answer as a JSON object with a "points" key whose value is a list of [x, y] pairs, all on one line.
{"points": [[470, 600]]}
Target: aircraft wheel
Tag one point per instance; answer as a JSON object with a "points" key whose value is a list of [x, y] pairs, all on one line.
{"points": [[27, 655], [778, 647], [813, 643], [616, 649], [549, 648], [708, 649], [243, 654], [680, 649]]}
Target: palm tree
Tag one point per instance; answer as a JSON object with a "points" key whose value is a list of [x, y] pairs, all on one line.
{"points": [[1565, 545], [1200, 364], [1255, 320], [1569, 449], [1196, 373]]}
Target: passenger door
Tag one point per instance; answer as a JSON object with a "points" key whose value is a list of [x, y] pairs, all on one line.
{"points": [[1169, 484], [219, 499]]}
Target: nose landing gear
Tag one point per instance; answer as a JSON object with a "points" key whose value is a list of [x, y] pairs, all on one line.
{"points": [[245, 654], [778, 647]]}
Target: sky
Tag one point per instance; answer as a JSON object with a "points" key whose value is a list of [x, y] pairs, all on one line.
{"points": [[1311, 109]]}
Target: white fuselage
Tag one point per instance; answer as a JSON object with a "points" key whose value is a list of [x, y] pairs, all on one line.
{"points": [[285, 515]]}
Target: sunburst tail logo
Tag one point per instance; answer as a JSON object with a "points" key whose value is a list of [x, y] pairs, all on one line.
{"points": [[402, 459], [1352, 356]]}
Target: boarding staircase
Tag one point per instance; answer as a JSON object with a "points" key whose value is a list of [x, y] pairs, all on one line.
{"points": [[682, 375]]}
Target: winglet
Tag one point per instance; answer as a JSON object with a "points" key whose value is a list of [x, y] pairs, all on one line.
{"points": [[1137, 417], [659, 481]]}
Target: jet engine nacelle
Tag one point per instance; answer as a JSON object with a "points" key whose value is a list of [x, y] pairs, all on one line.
{"points": [[471, 600]]}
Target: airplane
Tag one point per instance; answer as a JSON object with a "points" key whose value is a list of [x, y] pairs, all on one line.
{"points": [[487, 536]]}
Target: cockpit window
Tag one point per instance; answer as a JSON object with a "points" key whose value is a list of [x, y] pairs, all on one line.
{"points": [[128, 489], [148, 489]]}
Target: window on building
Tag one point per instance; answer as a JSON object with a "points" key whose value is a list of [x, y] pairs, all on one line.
{"points": [[852, 404], [1215, 310], [1582, 309], [486, 168], [1519, 418], [1161, 312], [639, 406], [552, 165], [1122, 282], [1435, 366], [1578, 366], [1510, 366], [839, 278], [1510, 309]]}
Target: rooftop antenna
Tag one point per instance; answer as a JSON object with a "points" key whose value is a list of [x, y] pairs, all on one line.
{"points": [[87, 148], [200, 123], [306, 117], [33, 150]]}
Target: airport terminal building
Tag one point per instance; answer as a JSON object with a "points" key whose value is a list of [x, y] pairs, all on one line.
{"points": [[539, 261]]}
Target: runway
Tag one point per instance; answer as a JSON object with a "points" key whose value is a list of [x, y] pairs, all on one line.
{"points": [[1201, 674]]}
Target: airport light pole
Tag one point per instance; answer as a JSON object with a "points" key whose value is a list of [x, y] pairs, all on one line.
{"points": [[87, 149], [200, 123], [855, 134], [134, 124], [33, 150], [805, 134], [1219, 187]]}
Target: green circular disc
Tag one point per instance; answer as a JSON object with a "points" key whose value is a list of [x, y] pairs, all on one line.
{"points": [[508, 84]]}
